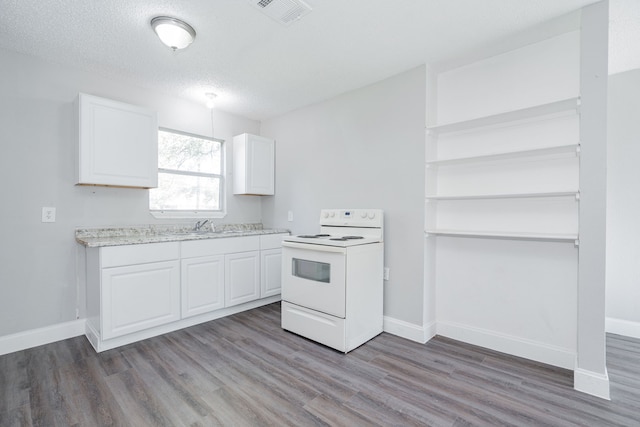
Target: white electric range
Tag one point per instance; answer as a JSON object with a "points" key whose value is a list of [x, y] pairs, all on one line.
{"points": [[332, 288]]}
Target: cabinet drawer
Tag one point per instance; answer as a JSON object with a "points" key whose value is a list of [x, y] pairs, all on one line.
{"points": [[271, 241], [226, 245], [112, 256], [318, 326]]}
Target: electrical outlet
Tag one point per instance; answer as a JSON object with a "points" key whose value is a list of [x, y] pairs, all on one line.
{"points": [[48, 214], [290, 216], [385, 274]]}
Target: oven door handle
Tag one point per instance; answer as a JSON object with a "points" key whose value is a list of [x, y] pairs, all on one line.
{"points": [[312, 247]]}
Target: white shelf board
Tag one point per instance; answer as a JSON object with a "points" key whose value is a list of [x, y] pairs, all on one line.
{"points": [[509, 116], [559, 149], [560, 237], [573, 193]]}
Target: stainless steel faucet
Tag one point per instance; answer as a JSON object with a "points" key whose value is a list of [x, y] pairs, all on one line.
{"points": [[199, 225]]}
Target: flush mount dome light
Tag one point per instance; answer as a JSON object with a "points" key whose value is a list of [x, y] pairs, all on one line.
{"points": [[173, 32]]}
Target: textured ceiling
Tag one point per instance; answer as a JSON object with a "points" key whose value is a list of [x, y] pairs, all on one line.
{"points": [[258, 67], [624, 35]]}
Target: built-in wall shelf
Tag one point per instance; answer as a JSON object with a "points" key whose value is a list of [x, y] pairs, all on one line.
{"points": [[547, 109], [552, 237], [560, 149], [573, 193]]}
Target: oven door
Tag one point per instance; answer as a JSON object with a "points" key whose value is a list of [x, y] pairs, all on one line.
{"points": [[313, 276]]}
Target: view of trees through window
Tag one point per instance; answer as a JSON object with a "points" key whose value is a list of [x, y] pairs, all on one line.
{"points": [[189, 173]]}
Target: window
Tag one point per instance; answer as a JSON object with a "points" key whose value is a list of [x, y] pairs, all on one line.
{"points": [[190, 176]]}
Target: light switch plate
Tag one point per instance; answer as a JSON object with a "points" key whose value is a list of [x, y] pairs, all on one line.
{"points": [[48, 214]]}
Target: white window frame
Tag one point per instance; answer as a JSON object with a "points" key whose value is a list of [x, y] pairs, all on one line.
{"points": [[223, 184]]}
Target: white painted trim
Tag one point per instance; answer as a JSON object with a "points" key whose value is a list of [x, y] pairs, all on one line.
{"points": [[109, 344], [516, 346], [62, 331], [622, 327], [410, 331], [591, 383], [36, 337]]}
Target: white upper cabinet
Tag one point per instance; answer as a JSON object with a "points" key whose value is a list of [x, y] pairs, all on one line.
{"points": [[253, 165], [117, 143]]}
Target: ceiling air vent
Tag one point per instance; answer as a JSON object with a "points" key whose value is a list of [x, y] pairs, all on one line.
{"points": [[285, 12]]}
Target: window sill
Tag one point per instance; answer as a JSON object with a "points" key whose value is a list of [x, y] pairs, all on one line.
{"points": [[188, 214]]}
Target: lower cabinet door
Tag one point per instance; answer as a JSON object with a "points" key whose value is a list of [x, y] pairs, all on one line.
{"points": [[202, 285], [271, 272], [242, 274], [138, 297]]}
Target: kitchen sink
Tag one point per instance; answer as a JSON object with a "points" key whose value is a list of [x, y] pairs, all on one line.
{"points": [[198, 233]]}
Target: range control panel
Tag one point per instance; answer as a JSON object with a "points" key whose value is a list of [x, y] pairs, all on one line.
{"points": [[352, 217]]}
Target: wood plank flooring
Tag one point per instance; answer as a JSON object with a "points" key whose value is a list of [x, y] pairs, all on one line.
{"points": [[244, 370]]}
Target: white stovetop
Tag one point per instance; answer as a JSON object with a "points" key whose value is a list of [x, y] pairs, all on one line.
{"points": [[328, 240]]}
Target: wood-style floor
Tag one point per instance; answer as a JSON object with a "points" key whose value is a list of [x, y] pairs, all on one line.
{"points": [[244, 370]]}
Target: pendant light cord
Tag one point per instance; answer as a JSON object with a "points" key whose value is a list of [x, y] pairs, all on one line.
{"points": [[212, 128]]}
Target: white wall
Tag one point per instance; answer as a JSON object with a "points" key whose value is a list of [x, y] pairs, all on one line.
{"points": [[38, 285], [363, 149], [623, 205]]}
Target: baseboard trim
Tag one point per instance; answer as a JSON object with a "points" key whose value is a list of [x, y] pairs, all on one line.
{"points": [[62, 331], [37, 337], [592, 383], [509, 344], [410, 331], [109, 344], [622, 327]]}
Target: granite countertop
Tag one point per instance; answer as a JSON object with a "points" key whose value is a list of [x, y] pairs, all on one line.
{"points": [[135, 235]]}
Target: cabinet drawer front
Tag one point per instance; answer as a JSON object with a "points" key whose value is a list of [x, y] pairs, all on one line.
{"points": [[271, 241], [320, 327], [218, 246], [112, 256]]}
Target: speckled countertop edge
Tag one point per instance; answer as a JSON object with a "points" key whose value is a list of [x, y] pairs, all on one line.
{"points": [[136, 235]]}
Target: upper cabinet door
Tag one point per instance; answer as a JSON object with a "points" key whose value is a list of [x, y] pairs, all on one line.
{"points": [[253, 165], [117, 143]]}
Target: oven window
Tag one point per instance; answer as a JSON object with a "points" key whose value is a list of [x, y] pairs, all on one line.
{"points": [[312, 270]]}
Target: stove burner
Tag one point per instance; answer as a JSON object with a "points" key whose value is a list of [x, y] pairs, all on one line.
{"points": [[345, 238], [313, 236]]}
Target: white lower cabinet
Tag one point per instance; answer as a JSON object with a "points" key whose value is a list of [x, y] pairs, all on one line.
{"points": [[131, 288], [242, 277], [138, 297], [139, 291], [202, 285], [271, 272], [270, 264]]}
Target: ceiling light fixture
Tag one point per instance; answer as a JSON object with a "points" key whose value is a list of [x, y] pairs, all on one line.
{"points": [[173, 32], [211, 99]]}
